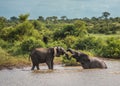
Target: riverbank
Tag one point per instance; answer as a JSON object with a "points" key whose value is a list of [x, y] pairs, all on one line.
{"points": [[8, 61], [13, 62]]}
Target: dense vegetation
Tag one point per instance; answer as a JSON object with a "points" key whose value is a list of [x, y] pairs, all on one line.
{"points": [[95, 36]]}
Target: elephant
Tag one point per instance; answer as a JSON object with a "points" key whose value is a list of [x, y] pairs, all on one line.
{"points": [[45, 55], [86, 61]]}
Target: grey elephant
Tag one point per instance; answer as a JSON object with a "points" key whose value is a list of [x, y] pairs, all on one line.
{"points": [[45, 55], [86, 61]]}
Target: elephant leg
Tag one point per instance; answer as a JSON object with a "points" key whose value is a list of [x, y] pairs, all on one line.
{"points": [[85, 65], [33, 67], [52, 65], [37, 66], [49, 64]]}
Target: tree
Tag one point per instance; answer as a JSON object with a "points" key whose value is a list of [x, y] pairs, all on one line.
{"points": [[63, 18], [105, 15], [48, 20], [54, 19], [41, 18], [23, 17], [14, 19], [80, 27]]}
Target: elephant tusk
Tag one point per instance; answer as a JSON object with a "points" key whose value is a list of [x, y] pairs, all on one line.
{"points": [[55, 51]]}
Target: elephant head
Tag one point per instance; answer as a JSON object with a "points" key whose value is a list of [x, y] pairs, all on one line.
{"points": [[80, 57], [59, 51]]}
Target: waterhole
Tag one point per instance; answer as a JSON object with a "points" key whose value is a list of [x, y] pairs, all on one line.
{"points": [[63, 76]]}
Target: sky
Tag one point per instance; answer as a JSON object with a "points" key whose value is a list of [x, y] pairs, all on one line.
{"points": [[69, 8]]}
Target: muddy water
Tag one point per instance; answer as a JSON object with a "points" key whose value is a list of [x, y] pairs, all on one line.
{"points": [[63, 76]]}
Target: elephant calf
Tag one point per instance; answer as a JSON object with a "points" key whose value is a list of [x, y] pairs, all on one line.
{"points": [[45, 55], [86, 61]]}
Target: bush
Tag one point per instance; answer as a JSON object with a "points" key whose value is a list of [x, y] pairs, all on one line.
{"points": [[4, 44], [31, 43], [57, 43], [5, 33], [112, 49], [64, 32], [70, 41], [89, 43], [8, 61], [15, 49], [71, 62]]}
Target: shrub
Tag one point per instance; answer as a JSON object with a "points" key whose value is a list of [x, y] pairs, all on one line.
{"points": [[31, 43], [65, 31], [112, 49], [23, 29], [5, 33], [15, 49], [8, 61], [57, 43], [4, 44], [70, 41], [88, 43], [80, 27], [71, 62]]}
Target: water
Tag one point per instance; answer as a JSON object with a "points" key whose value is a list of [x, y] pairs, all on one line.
{"points": [[63, 76]]}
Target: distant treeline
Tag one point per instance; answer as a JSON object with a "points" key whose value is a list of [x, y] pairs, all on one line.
{"points": [[98, 36]]}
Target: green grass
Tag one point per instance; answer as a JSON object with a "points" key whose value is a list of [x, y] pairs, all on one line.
{"points": [[105, 36]]}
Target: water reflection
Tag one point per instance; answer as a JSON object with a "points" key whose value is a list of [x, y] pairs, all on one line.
{"points": [[63, 76]]}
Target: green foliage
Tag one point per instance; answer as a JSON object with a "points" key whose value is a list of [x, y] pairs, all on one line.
{"points": [[88, 43], [31, 43], [24, 28], [4, 44], [70, 41], [57, 43], [8, 61], [105, 14], [5, 33], [112, 49], [65, 31], [38, 25], [18, 35], [71, 62], [81, 29], [3, 22], [23, 17], [95, 36]]}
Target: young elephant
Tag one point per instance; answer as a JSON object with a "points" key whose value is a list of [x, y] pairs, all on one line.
{"points": [[86, 61], [45, 55]]}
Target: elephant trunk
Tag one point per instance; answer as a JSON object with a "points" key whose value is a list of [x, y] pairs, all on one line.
{"points": [[67, 55]]}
